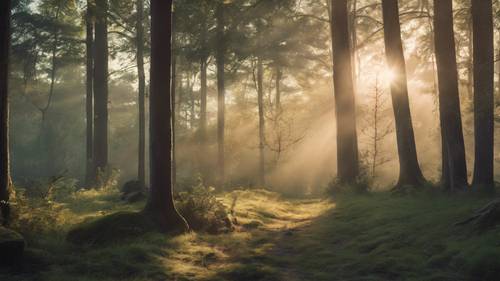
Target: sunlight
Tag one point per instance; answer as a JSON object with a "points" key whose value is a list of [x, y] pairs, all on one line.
{"points": [[387, 75]]}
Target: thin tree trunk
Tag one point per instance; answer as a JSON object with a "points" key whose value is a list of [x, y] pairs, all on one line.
{"points": [[203, 83], [161, 202], [101, 89], [142, 93], [279, 76], [409, 169], [220, 54], [347, 143], [454, 163], [354, 40], [4, 109], [203, 103], [482, 18], [260, 101], [89, 107]]}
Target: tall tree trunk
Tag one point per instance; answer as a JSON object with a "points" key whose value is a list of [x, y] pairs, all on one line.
{"points": [[279, 76], [347, 143], [409, 169], [161, 202], [221, 104], [470, 62], [4, 109], [498, 65], [142, 93], [89, 107], [203, 101], [203, 83], [173, 90], [260, 102], [353, 22], [482, 18], [454, 163], [101, 88]]}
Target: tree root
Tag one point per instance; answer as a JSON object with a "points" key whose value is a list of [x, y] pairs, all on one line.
{"points": [[485, 218]]}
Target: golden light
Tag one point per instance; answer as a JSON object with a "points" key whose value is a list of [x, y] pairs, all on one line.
{"points": [[387, 75]]}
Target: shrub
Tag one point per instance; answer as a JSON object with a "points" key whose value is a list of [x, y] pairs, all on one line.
{"points": [[37, 208], [107, 178], [203, 211]]}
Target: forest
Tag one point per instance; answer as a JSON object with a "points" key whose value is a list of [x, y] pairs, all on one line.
{"points": [[249, 140]]}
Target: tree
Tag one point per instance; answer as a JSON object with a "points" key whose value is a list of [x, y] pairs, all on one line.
{"points": [[4, 108], [453, 150], [347, 143], [409, 169], [260, 102], [220, 54], [142, 93], [482, 21], [379, 126], [161, 202], [204, 56], [89, 107], [101, 88]]}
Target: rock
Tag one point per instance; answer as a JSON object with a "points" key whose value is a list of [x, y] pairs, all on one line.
{"points": [[11, 247], [131, 187], [486, 218], [134, 197]]}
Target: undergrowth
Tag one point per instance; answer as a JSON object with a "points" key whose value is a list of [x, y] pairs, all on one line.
{"points": [[369, 236]]}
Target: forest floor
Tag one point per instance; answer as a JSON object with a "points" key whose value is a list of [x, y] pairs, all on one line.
{"points": [[354, 237]]}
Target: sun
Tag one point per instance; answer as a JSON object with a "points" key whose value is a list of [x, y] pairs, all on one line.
{"points": [[388, 75]]}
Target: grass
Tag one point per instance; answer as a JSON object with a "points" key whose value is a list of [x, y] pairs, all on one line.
{"points": [[355, 237]]}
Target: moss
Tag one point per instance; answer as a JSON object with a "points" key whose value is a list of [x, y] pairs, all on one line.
{"points": [[111, 228], [358, 237], [11, 246]]}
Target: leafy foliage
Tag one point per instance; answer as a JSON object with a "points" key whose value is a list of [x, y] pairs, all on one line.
{"points": [[203, 211]]}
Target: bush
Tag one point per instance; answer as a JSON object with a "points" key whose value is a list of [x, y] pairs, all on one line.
{"points": [[107, 178], [37, 208], [203, 211], [362, 185]]}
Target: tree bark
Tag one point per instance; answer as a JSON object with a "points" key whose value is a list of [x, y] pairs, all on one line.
{"points": [[5, 6], [279, 76], [141, 173], [89, 107], [482, 21], [470, 62], [203, 82], [173, 90], [347, 143], [409, 169], [454, 163], [220, 54], [260, 102], [161, 202], [101, 88]]}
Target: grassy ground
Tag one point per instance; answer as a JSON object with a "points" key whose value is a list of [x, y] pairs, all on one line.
{"points": [[369, 237]]}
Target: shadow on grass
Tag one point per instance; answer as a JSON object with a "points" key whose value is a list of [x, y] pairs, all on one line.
{"points": [[370, 237]]}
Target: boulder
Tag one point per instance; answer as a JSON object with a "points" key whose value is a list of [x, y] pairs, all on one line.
{"points": [[134, 197], [131, 187], [11, 247]]}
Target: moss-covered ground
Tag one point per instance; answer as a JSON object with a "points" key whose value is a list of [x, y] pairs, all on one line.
{"points": [[353, 237]]}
